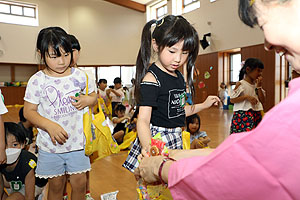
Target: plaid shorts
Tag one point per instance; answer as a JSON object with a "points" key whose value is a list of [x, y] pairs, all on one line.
{"points": [[172, 137]]}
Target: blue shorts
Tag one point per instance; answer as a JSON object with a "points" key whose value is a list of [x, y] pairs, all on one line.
{"points": [[51, 165]]}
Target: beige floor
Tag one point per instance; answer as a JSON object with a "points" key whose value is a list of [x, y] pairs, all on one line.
{"points": [[108, 175]]}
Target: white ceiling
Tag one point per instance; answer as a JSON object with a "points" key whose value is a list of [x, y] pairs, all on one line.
{"points": [[142, 1]]}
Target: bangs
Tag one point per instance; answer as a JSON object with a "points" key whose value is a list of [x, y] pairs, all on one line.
{"points": [[180, 30], [55, 38], [57, 44]]}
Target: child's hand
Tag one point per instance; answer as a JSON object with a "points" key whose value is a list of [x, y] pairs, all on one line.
{"points": [[127, 117], [57, 133], [149, 167], [259, 81], [252, 100], [2, 157], [145, 152], [211, 100], [80, 102]]}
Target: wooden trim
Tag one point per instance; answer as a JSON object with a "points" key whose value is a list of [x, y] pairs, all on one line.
{"points": [[12, 73], [129, 4], [17, 64], [41, 66]]}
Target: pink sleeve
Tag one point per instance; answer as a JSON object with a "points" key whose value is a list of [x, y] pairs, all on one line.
{"points": [[261, 164]]}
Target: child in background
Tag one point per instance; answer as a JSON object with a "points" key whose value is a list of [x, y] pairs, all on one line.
{"points": [[103, 95], [132, 102], [129, 137], [120, 122], [223, 94], [198, 139], [26, 126], [3, 110], [248, 97], [161, 88], [116, 94], [19, 170], [51, 105]]}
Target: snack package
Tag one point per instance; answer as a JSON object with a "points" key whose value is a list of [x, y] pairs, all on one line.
{"points": [[160, 191], [109, 196]]}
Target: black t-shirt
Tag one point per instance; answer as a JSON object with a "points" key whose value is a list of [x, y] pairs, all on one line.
{"points": [[166, 97], [27, 161]]}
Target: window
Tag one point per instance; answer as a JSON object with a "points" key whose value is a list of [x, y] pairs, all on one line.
{"points": [[235, 67], [189, 5], [157, 10], [18, 13], [111, 72], [161, 11]]}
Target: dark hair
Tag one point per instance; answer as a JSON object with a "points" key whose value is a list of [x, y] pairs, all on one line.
{"points": [[102, 81], [135, 114], [251, 63], [224, 85], [191, 119], [120, 107], [74, 42], [14, 129], [21, 115], [55, 37], [168, 31], [247, 12], [117, 80]]}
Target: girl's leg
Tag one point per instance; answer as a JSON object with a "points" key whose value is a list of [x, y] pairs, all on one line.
{"points": [[78, 184], [56, 187], [4, 196], [88, 193], [15, 196], [65, 194], [119, 136]]}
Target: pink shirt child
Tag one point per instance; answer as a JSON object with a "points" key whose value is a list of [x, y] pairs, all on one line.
{"points": [[261, 164]]}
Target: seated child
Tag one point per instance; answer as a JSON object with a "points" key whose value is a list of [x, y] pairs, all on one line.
{"points": [[19, 171], [198, 139], [129, 137], [120, 122]]}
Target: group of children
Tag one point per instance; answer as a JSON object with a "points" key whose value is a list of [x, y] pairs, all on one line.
{"points": [[55, 103]]}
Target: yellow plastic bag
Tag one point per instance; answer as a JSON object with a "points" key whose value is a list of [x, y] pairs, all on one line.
{"points": [[186, 140], [97, 133], [128, 139], [106, 144], [92, 134]]}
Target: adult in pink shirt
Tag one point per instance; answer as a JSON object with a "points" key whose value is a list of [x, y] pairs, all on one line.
{"points": [[263, 163]]}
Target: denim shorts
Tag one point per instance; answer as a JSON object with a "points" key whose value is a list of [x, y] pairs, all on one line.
{"points": [[51, 165]]}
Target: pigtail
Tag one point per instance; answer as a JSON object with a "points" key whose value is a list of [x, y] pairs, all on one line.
{"points": [[191, 61], [143, 58], [242, 71]]}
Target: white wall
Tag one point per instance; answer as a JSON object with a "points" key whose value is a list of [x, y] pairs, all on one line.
{"points": [[228, 31], [108, 33], [18, 42]]}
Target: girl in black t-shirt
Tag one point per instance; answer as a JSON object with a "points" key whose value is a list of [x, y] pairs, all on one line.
{"points": [[19, 171], [160, 88]]}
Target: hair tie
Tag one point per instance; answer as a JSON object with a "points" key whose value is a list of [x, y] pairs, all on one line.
{"points": [[242, 64], [252, 2], [160, 22]]}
